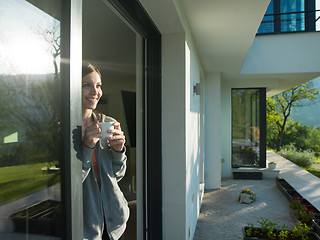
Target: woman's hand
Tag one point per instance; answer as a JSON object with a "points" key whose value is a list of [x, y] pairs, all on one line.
{"points": [[91, 135], [118, 139]]}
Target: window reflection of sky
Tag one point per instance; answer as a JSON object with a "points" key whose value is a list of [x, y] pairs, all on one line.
{"points": [[23, 48], [318, 15]]}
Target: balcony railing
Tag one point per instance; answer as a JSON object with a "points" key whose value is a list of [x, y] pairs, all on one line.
{"points": [[305, 21]]}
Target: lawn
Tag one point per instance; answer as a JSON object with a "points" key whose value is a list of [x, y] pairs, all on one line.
{"points": [[19, 181], [316, 160], [313, 171]]}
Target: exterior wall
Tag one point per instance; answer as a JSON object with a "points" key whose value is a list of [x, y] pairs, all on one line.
{"points": [[213, 131], [181, 138], [181, 135], [226, 129], [174, 136], [296, 52], [193, 194]]}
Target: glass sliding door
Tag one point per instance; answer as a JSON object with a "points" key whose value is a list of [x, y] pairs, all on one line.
{"points": [[30, 193], [117, 51], [248, 127]]}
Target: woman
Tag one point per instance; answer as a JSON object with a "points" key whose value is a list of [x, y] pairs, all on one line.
{"points": [[105, 210]]}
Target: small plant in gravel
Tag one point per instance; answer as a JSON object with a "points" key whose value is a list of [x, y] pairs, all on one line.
{"points": [[246, 196], [247, 191]]}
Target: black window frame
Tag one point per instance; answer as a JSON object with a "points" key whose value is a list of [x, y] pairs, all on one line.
{"points": [[134, 13], [309, 18]]}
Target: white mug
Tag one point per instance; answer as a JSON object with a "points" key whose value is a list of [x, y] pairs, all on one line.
{"points": [[105, 126]]}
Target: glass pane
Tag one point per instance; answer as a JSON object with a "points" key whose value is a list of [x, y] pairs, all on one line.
{"points": [[317, 20], [292, 18], [245, 127], [267, 24], [29, 161], [116, 50]]}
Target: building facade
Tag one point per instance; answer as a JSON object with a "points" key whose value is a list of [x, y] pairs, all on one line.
{"points": [[186, 80]]}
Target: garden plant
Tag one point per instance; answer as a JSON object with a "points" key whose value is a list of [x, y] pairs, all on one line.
{"points": [[269, 230]]}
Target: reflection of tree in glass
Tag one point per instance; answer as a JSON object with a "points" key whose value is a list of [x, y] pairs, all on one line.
{"points": [[28, 108], [51, 35], [29, 105]]}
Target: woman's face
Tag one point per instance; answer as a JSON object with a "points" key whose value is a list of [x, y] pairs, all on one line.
{"points": [[91, 90]]}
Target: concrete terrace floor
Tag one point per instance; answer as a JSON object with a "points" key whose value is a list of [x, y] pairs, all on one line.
{"points": [[222, 216]]}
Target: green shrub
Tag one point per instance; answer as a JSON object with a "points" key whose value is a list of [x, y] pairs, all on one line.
{"points": [[301, 158], [274, 231]]}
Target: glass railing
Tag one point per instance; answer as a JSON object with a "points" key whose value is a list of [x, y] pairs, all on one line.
{"points": [[304, 21]]}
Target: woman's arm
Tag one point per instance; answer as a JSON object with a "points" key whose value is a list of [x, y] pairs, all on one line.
{"points": [[119, 163], [86, 161]]}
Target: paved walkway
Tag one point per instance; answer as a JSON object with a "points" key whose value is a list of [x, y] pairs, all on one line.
{"points": [[222, 216]]}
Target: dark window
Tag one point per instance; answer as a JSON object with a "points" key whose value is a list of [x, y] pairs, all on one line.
{"points": [[248, 127]]}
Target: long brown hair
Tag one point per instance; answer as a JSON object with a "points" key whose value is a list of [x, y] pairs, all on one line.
{"points": [[89, 68]]}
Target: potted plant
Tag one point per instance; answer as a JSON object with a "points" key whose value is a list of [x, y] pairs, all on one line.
{"points": [[274, 231], [272, 165], [246, 196]]}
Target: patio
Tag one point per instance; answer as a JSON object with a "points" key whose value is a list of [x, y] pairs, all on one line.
{"points": [[222, 216]]}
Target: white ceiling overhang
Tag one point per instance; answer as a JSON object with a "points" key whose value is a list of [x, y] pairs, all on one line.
{"points": [[222, 30]]}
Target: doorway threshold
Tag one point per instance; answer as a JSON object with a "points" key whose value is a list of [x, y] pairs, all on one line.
{"points": [[254, 173]]}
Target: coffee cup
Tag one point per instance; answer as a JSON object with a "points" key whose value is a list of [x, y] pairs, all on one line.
{"points": [[104, 127]]}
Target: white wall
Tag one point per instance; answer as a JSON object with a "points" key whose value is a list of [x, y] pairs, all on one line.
{"points": [[212, 176], [174, 136], [181, 138], [193, 175], [297, 53], [226, 129], [181, 121]]}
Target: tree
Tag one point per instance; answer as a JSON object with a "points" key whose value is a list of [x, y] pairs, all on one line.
{"points": [[34, 113], [279, 107], [298, 135]]}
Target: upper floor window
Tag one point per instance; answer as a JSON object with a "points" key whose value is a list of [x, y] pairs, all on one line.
{"points": [[284, 16]]}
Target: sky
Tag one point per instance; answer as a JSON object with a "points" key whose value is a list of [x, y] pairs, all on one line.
{"points": [[309, 115], [23, 50]]}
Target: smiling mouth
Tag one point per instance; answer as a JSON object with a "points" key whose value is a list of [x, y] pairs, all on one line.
{"points": [[92, 100]]}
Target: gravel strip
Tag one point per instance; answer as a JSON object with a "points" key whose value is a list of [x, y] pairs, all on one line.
{"points": [[222, 216]]}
